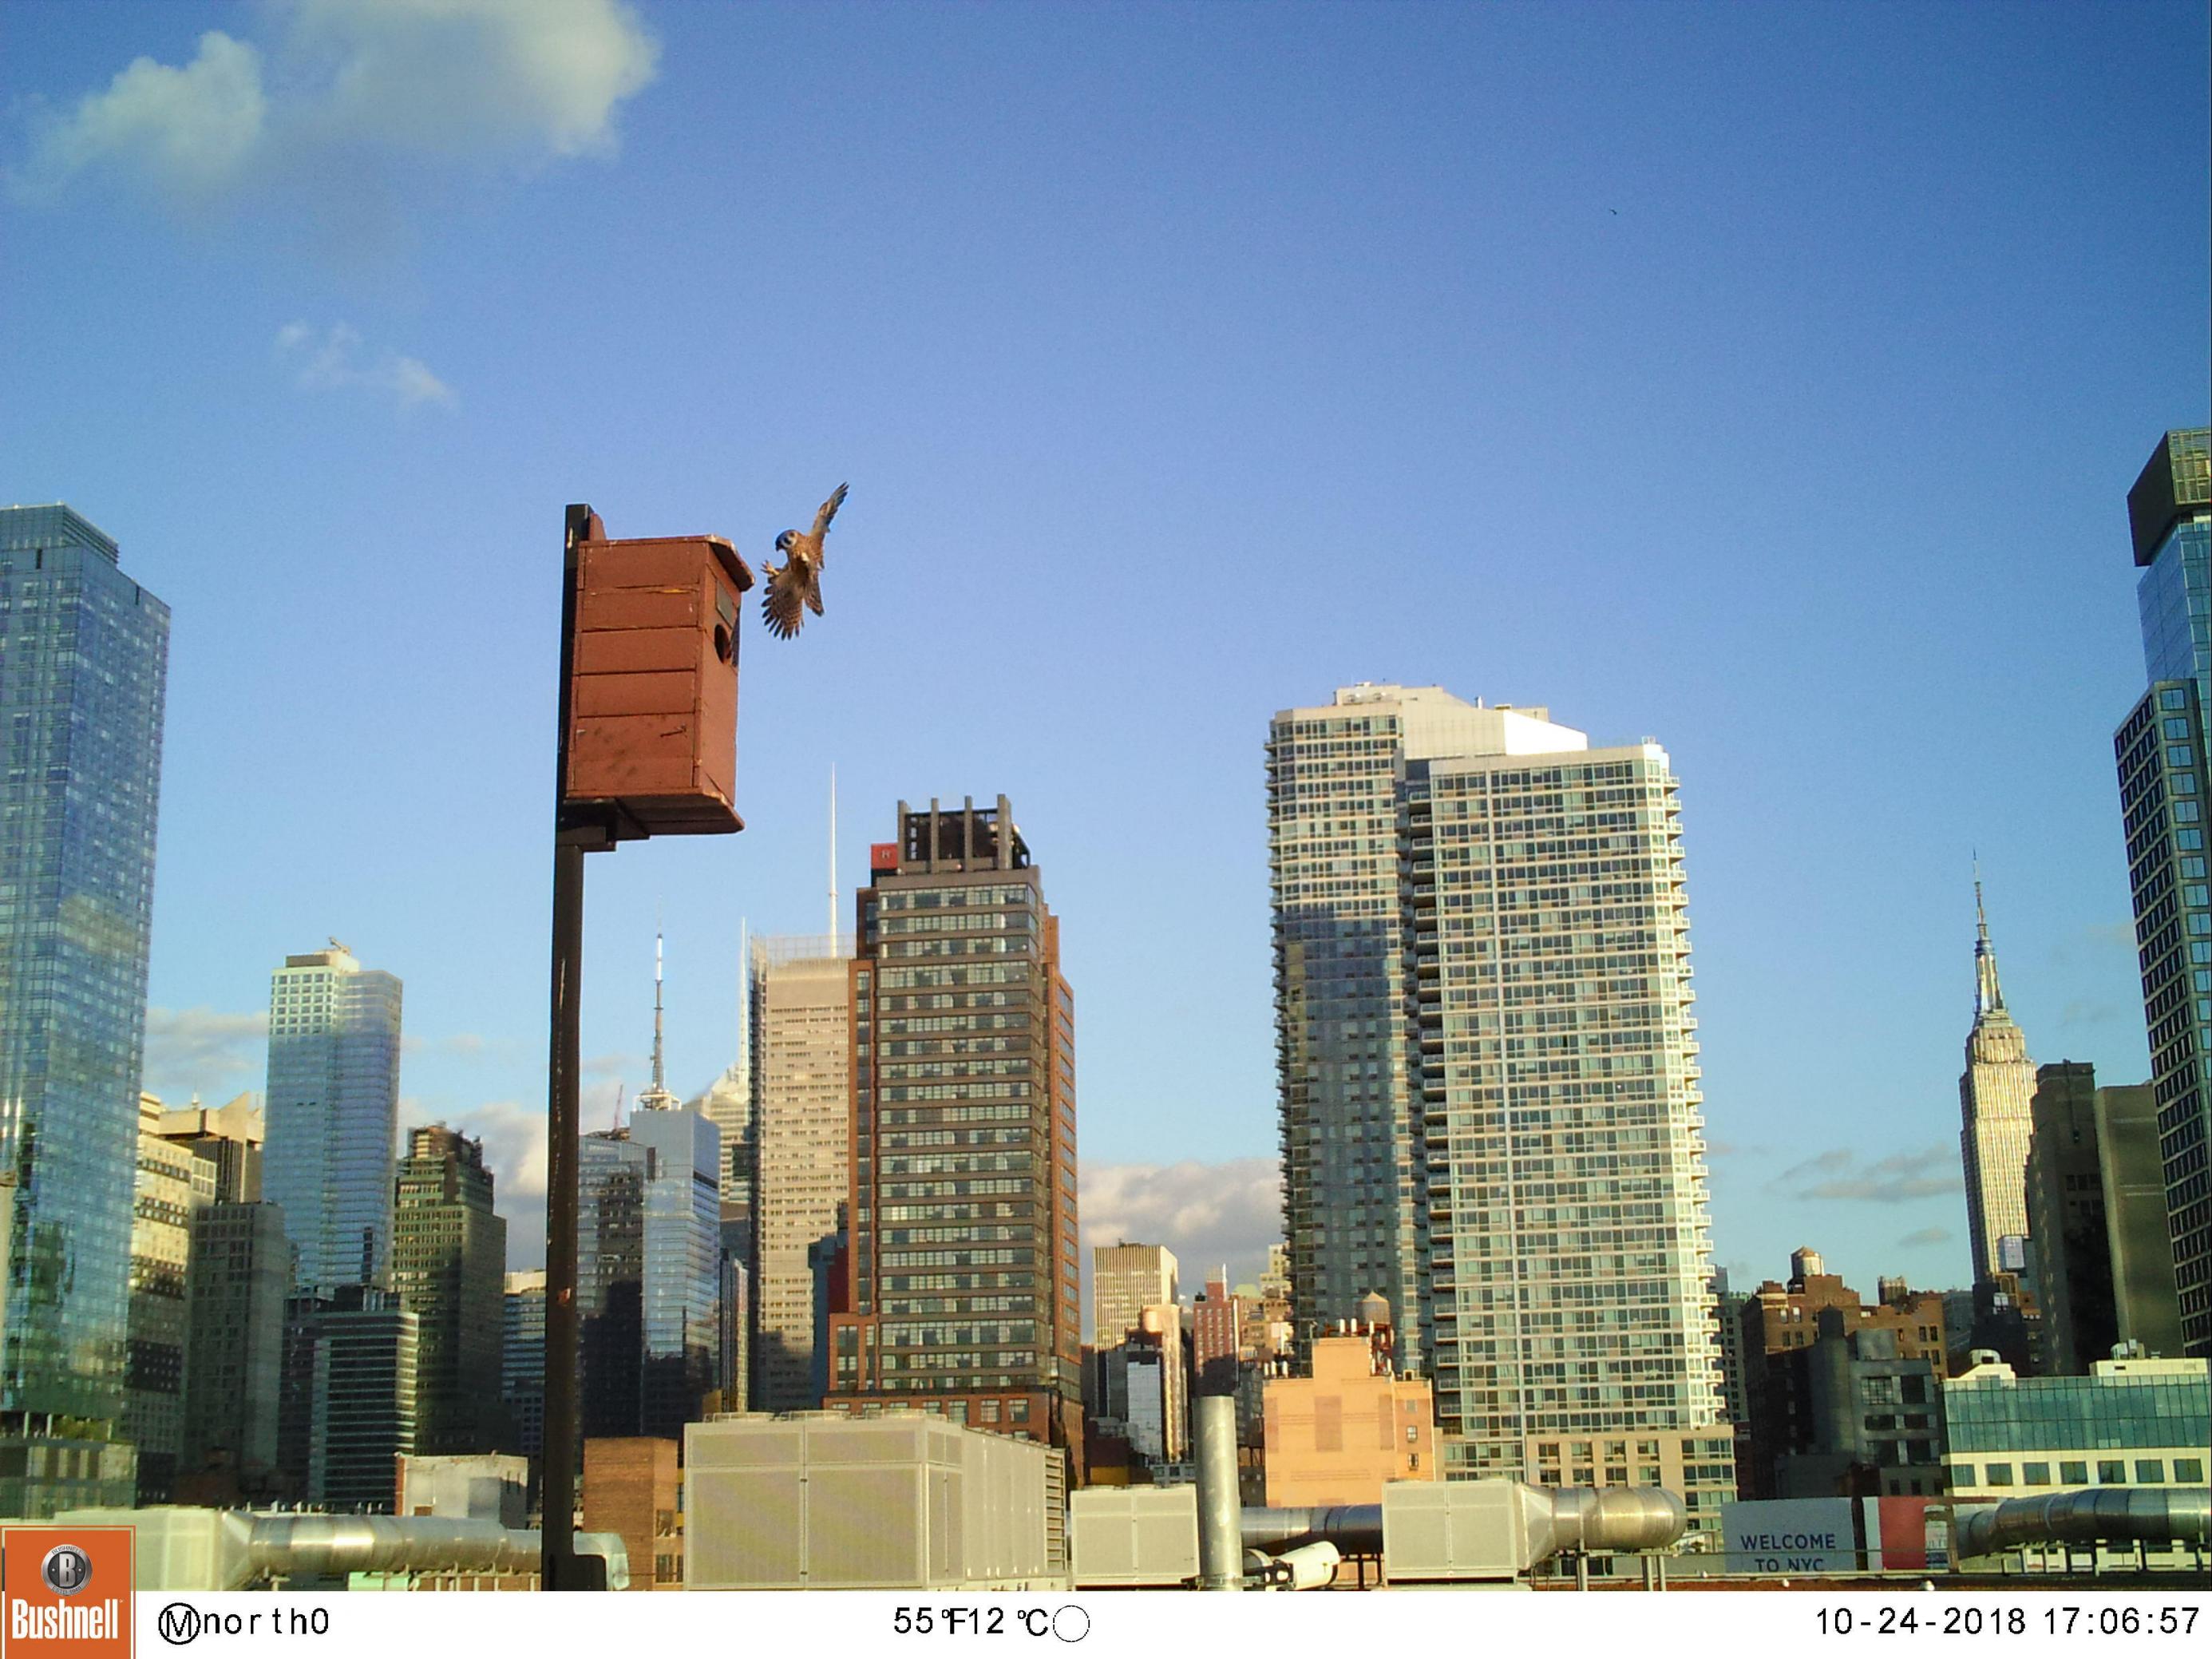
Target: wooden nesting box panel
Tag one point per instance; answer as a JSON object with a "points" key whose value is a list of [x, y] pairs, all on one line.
{"points": [[653, 701]]}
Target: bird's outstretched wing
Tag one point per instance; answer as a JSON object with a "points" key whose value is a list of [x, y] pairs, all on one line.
{"points": [[781, 597], [829, 512], [814, 592]]}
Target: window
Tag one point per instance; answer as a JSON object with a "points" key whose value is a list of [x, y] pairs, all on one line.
{"points": [[2112, 1472], [1962, 1475], [1412, 1434], [2000, 1474], [2189, 1471], [2035, 1474], [2073, 1475], [2150, 1471]]}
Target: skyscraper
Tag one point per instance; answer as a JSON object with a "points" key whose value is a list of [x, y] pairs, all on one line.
{"points": [[801, 1032], [2165, 763], [610, 1284], [1354, 1161], [1997, 1101], [727, 1103], [2067, 1223], [238, 1282], [962, 1276], [1217, 1334], [649, 1272], [2146, 1301], [1490, 1101], [682, 1307], [365, 1392], [240, 1275], [333, 1113], [161, 1248], [83, 666], [448, 1266], [1126, 1278], [227, 1141], [522, 1364]]}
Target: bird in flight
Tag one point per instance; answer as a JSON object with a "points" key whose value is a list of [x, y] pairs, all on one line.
{"points": [[798, 580]]}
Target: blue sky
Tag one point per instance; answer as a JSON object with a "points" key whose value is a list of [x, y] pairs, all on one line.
{"points": [[1765, 381]]}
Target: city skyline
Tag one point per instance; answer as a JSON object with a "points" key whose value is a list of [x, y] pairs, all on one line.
{"points": [[1824, 634]]}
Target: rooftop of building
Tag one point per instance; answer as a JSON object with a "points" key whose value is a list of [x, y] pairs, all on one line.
{"points": [[939, 839], [1435, 725], [337, 956], [54, 524], [2175, 483], [1989, 1371]]}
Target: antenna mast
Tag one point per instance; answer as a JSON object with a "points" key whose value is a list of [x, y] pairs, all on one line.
{"points": [[659, 1084]]}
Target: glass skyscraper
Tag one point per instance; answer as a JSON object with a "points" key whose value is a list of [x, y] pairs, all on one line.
{"points": [[2165, 779], [1489, 1099], [83, 666], [683, 1264], [649, 1273], [333, 1115]]}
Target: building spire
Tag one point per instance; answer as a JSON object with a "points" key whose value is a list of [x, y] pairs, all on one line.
{"points": [[657, 1097], [1988, 995], [660, 1079]]}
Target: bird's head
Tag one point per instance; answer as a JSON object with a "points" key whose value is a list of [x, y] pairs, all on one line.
{"points": [[783, 542]]}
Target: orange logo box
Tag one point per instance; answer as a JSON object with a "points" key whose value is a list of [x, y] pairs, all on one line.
{"points": [[65, 1592]]}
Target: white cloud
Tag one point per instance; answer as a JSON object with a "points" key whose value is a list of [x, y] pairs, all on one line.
{"points": [[1899, 1178], [467, 77], [335, 359], [186, 131], [1209, 1214], [514, 1137], [346, 81], [204, 1051]]}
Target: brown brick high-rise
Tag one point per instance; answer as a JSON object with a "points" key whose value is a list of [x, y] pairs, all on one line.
{"points": [[960, 1278]]}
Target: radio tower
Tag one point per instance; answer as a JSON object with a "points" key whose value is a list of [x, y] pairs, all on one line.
{"points": [[657, 1098]]}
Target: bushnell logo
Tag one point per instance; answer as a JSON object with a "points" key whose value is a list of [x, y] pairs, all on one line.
{"points": [[65, 1592], [66, 1569]]}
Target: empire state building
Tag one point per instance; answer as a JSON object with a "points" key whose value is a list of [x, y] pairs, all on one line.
{"points": [[1995, 1097]]}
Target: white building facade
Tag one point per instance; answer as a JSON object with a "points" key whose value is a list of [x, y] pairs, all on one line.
{"points": [[1491, 1111]]}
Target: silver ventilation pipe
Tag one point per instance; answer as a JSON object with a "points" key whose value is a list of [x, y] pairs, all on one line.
{"points": [[1220, 1547], [1600, 1520], [1354, 1528], [181, 1548], [1552, 1521], [2150, 1515], [333, 1546]]}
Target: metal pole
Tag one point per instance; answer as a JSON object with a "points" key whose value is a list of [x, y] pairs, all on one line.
{"points": [[1220, 1509], [558, 1567], [561, 1320]]}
